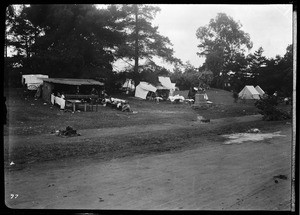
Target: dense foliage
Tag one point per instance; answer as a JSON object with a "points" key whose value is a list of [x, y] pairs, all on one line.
{"points": [[82, 41], [65, 40], [223, 43], [268, 108]]}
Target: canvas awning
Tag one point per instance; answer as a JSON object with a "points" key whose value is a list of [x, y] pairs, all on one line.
{"points": [[76, 82]]}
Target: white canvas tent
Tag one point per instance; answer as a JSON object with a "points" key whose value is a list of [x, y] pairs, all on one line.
{"points": [[143, 88], [33, 81], [259, 90], [129, 84], [249, 92], [166, 84]]}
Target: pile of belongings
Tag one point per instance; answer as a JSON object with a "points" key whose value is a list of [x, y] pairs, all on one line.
{"points": [[158, 98], [190, 101], [176, 98], [69, 132], [119, 104]]}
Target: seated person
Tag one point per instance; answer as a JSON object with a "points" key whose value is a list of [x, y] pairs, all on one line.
{"points": [[126, 107]]}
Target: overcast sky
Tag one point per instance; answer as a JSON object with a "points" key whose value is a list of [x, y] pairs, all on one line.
{"points": [[269, 26]]}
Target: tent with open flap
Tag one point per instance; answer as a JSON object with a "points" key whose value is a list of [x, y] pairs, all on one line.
{"points": [[249, 92]]}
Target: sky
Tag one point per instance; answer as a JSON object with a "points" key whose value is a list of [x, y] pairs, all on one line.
{"points": [[270, 26]]}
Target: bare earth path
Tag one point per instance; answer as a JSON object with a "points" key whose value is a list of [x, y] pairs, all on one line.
{"points": [[209, 177], [131, 129]]}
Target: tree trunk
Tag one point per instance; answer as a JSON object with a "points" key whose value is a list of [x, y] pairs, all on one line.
{"points": [[136, 47]]}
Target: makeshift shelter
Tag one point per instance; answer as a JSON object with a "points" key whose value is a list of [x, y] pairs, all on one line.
{"points": [[259, 90], [69, 86], [33, 81], [143, 88], [249, 92]]}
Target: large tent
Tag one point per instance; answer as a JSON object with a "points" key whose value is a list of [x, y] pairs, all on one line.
{"points": [[259, 90], [249, 92], [143, 88]]}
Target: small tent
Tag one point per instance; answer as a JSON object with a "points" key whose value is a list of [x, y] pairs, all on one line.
{"points": [[33, 81], [259, 90], [249, 92], [143, 88]]}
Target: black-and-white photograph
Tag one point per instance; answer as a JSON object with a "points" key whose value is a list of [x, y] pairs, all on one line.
{"points": [[150, 107]]}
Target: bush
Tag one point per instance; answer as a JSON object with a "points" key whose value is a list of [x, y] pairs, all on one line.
{"points": [[267, 108]]}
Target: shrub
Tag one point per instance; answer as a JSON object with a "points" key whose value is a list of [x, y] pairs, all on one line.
{"points": [[267, 108]]}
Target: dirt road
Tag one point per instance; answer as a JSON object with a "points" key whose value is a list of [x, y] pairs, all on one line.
{"points": [[208, 177], [131, 129]]}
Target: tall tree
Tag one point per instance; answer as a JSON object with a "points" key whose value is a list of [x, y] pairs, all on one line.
{"points": [[256, 62], [277, 75], [222, 41], [71, 40], [143, 40], [9, 22]]}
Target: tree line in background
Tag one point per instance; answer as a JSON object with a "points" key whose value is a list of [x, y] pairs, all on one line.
{"points": [[83, 41], [224, 44]]}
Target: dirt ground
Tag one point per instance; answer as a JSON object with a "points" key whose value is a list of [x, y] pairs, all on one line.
{"points": [[210, 176], [161, 158]]}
